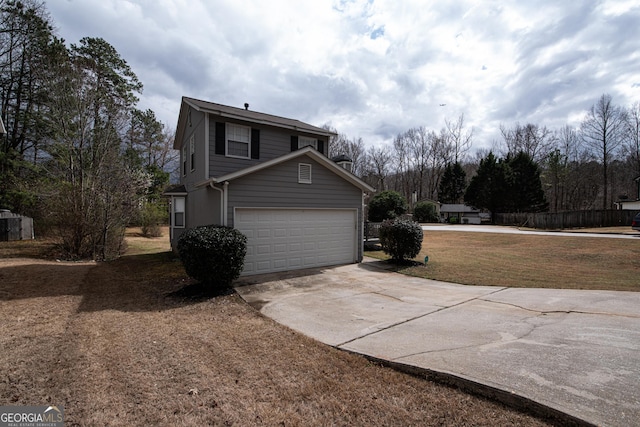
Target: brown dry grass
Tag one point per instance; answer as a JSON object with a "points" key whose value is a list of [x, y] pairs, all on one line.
{"points": [[110, 343], [529, 261]]}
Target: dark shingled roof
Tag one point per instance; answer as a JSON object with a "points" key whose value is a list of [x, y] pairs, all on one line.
{"points": [[242, 114]]}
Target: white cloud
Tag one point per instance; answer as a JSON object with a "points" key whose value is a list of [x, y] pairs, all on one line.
{"points": [[373, 68]]}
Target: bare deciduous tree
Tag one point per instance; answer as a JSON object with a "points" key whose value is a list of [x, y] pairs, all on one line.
{"points": [[603, 131], [530, 139], [459, 138], [379, 166], [559, 173], [632, 137]]}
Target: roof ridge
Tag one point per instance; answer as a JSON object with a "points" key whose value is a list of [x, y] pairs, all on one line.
{"points": [[244, 110]]}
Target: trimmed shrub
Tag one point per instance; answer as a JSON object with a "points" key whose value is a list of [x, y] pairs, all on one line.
{"points": [[425, 212], [386, 205], [212, 254], [401, 239]]}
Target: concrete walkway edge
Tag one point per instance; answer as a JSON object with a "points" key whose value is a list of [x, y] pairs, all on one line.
{"points": [[497, 394]]}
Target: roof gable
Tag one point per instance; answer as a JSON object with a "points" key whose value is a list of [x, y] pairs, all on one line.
{"points": [[457, 208], [306, 151], [246, 115]]}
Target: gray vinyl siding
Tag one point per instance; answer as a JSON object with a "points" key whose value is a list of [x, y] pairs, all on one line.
{"points": [[274, 143], [278, 187], [197, 129], [202, 207]]}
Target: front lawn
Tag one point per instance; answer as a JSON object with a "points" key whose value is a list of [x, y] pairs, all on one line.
{"points": [[528, 261], [117, 343]]}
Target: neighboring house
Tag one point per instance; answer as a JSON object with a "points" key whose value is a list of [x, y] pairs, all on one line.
{"points": [[268, 177], [464, 214], [633, 205]]}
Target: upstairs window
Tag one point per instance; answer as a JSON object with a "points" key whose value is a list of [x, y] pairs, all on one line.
{"points": [[303, 141], [184, 160], [238, 141], [192, 152]]}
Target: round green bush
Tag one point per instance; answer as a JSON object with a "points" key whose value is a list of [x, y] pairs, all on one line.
{"points": [[401, 239], [386, 205], [425, 212], [212, 254]]}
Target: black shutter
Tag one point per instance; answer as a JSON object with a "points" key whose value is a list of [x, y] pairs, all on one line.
{"points": [[321, 146], [221, 137], [294, 143], [255, 143]]}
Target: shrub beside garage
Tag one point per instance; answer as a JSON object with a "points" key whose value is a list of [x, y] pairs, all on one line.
{"points": [[401, 239], [213, 255]]}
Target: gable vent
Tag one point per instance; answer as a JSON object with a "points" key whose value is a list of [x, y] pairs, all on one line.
{"points": [[304, 173]]}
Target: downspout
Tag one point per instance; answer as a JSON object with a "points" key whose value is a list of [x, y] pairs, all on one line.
{"points": [[225, 202], [222, 202], [363, 224]]}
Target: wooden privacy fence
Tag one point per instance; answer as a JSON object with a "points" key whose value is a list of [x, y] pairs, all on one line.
{"points": [[573, 219]]}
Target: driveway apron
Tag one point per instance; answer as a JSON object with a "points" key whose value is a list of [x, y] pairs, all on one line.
{"points": [[577, 352]]}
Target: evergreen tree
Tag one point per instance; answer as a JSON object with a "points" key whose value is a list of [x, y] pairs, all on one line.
{"points": [[453, 184], [488, 189], [26, 41], [526, 193], [510, 185], [386, 205]]}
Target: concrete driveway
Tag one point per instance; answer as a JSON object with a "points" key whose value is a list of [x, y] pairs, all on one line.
{"points": [[577, 352]]}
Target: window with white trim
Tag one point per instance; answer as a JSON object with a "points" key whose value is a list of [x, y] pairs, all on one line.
{"points": [[184, 160], [238, 141], [304, 173], [303, 141], [177, 212], [192, 152]]}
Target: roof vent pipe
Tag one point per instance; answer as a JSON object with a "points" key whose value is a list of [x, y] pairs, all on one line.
{"points": [[246, 105]]}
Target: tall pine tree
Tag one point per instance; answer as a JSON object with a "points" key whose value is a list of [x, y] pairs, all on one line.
{"points": [[510, 185], [525, 192], [489, 187], [453, 184]]}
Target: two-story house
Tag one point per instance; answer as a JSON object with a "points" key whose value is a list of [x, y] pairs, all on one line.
{"points": [[269, 177]]}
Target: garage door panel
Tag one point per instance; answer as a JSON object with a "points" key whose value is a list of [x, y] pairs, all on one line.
{"points": [[288, 239], [263, 249], [264, 232]]}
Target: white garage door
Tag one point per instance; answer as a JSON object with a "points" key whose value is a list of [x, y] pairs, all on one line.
{"points": [[291, 239]]}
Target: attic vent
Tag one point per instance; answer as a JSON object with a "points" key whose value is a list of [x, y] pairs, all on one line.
{"points": [[304, 173]]}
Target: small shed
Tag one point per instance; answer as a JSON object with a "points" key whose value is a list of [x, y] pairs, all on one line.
{"points": [[14, 226]]}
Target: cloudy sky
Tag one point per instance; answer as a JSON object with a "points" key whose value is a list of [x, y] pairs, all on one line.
{"points": [[374, 68]]}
